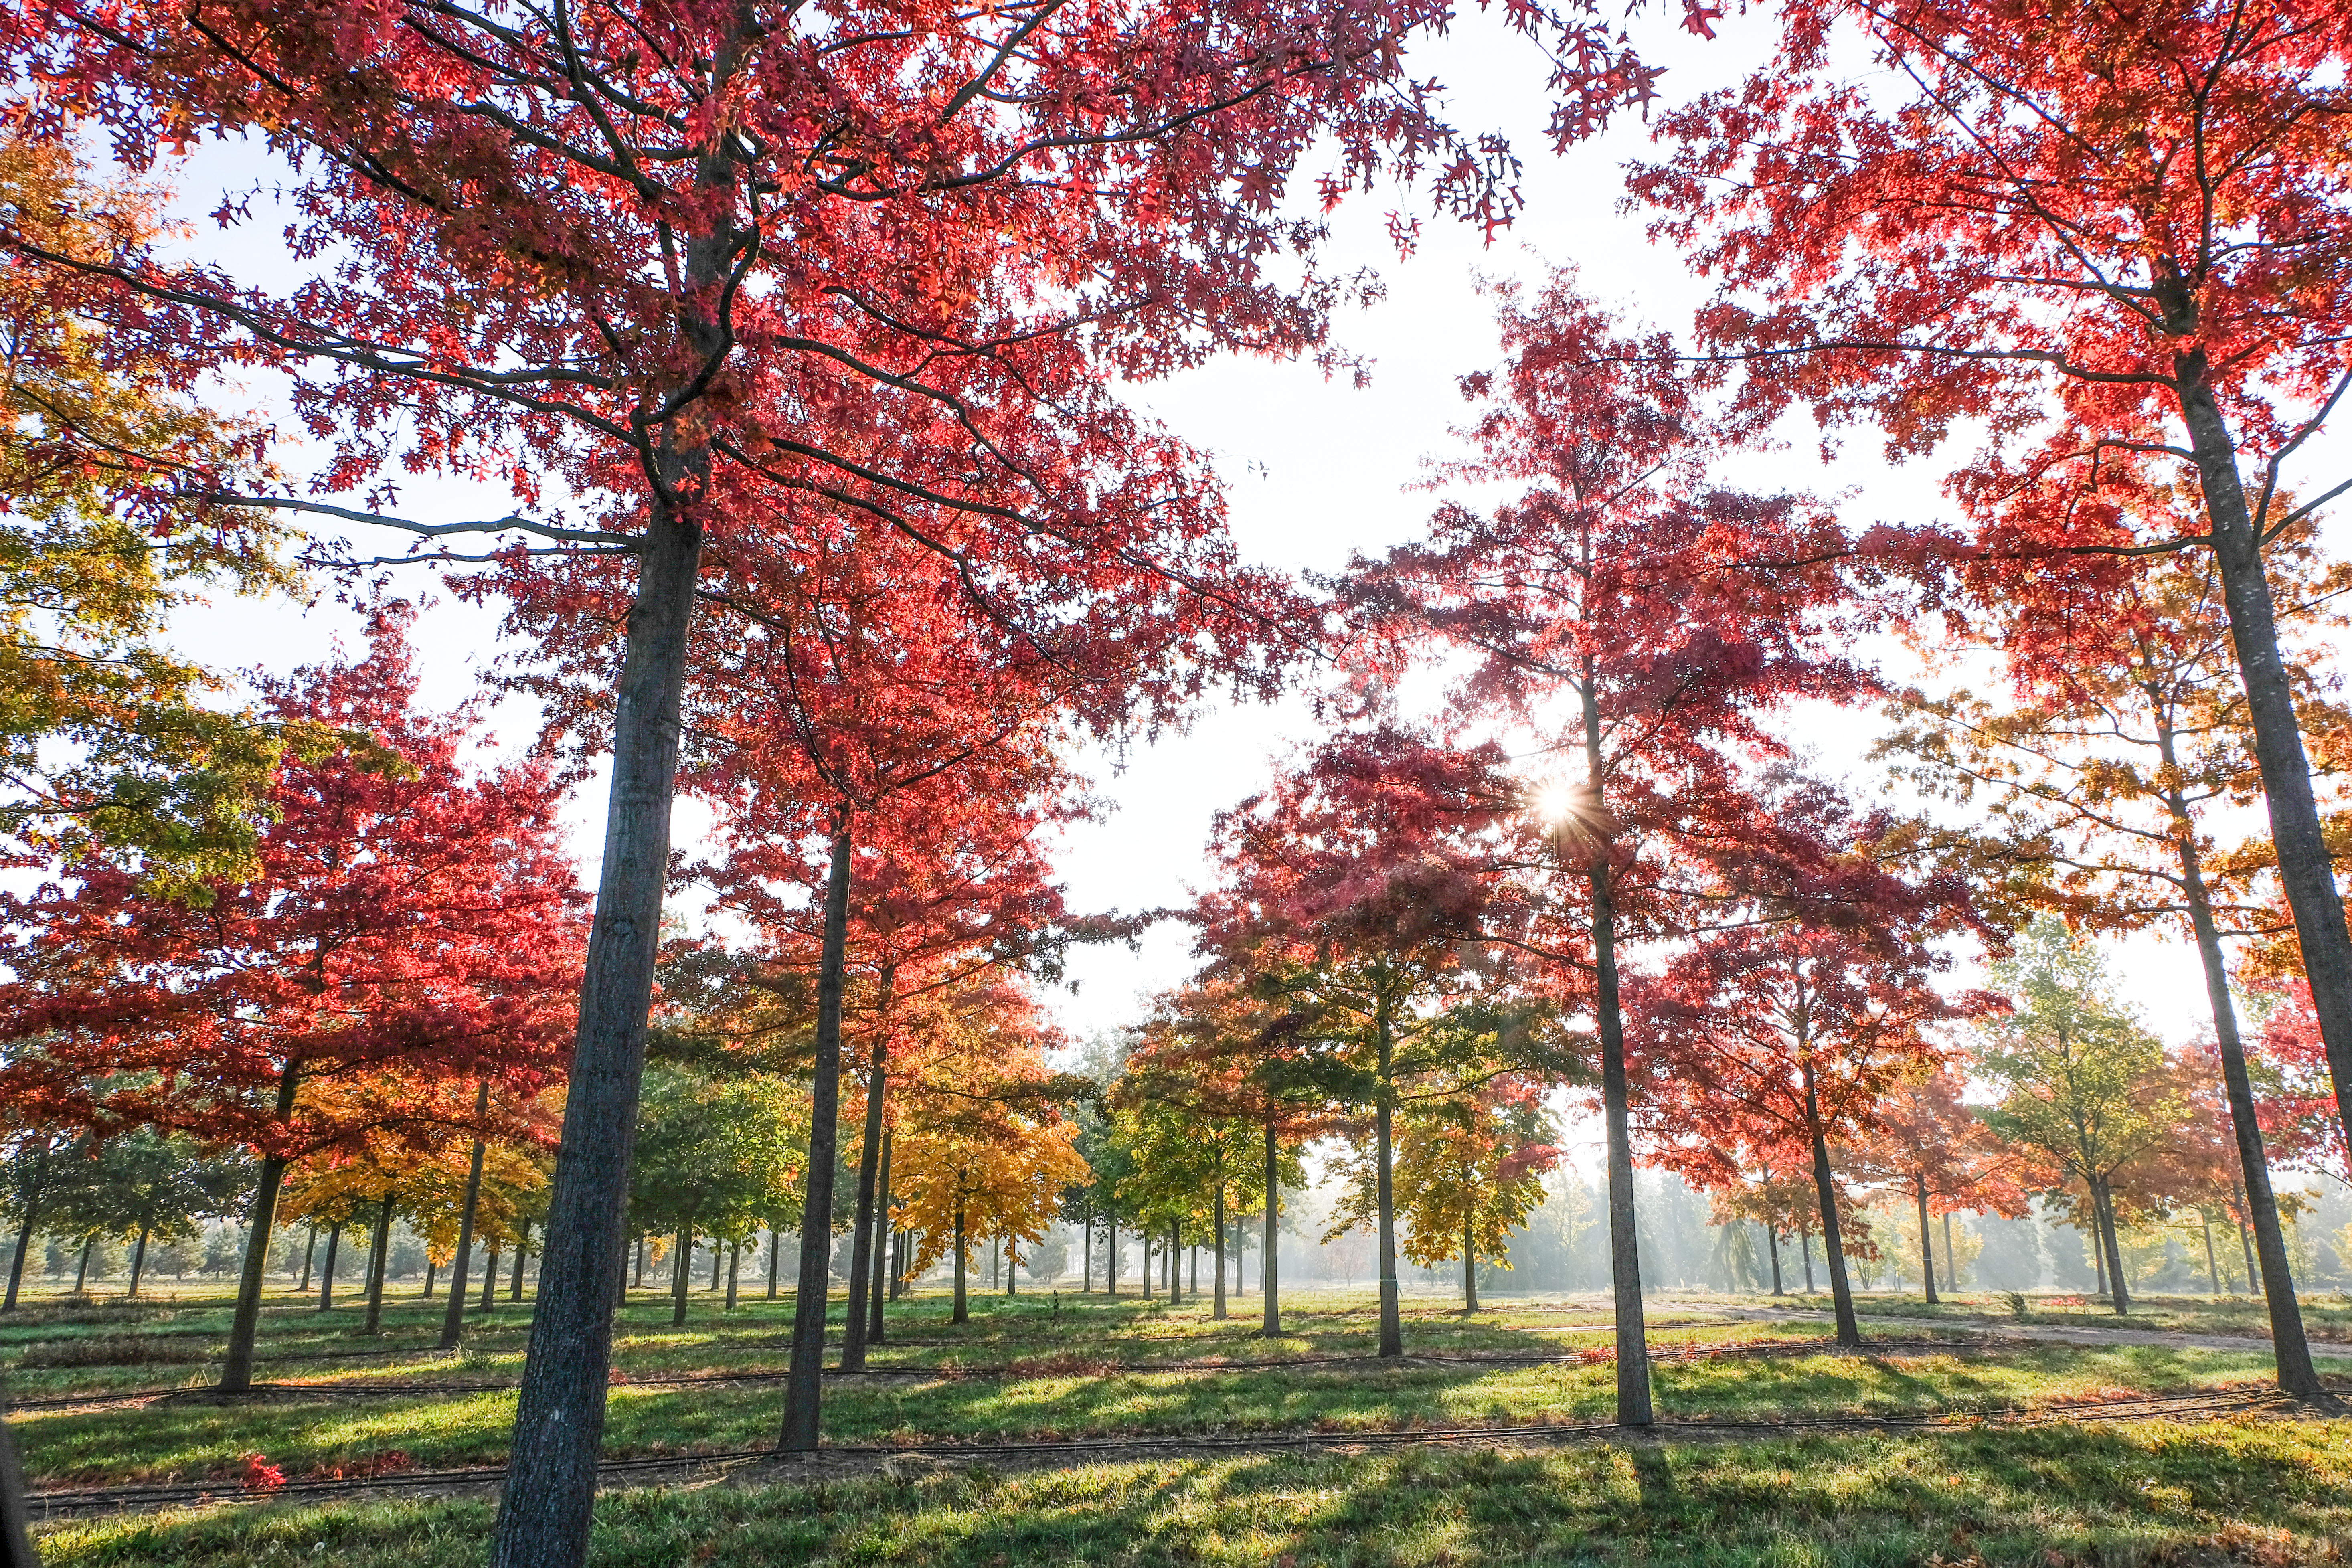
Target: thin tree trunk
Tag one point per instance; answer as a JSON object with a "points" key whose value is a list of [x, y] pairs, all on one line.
{"points": [[1175, 1262], [81, 1273], [489, 1303], [864, 1233], [640, 1282], [1110, 1254], [237, 1370], [309, 1250], [875, 1292], [1218, 1225], [805, 1385], [377, 1259], [545, 1509], [2098, 1239], [1086, 1255], [734, 1267], [1951, 1258], [962, 1313], [1805, 1247], [1469, 1269], [522, 1246], [429, 1268], [1634, 1405], [775, 1250], [2246, 1243], [2296, 1374], [1011, 1266], [679, 1267], [1927, 1247], [453, 1322], [2306, 871], [1384, 1190], [1772, 1237], [2104, 1211], [718, 1258], [1849, 1330], [327, 1274]]}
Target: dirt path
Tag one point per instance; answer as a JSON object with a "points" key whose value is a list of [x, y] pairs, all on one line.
{"points": [[765, 1467]]}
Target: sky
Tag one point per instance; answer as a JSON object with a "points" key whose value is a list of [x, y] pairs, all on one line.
{"points": [[1316, 468]]}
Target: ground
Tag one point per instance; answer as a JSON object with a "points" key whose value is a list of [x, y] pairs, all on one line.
{"points": [[1085, 1430]]}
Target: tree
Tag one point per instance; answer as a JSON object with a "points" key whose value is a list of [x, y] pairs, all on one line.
{"points": [[1946, 1157], [1785, 1031], [717, 1155], [2085, 1084], [2112, 236], [410, 925], [1469, 1171], [1355, 892], [989, 1172], [2128, 731], [1640, 619]]}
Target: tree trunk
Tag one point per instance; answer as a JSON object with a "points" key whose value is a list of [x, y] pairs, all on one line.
{"points": [[236, 1370], [2296, 1375], [377, 1259], [1384, 1190], [1772, 1239], [81, 1272], [310, 1250], [865, 1231], [1951, 1258], [1175, 1262], [2246, 1243], [1110, 1254], [775, 1250], [489, 1303], [1633, 1406], [522, 1246], [327, 1274], [734, 1267], [1086, 1255], [2307, 871], [1849, 1332], [429, 1266], [679, 1273], [453, 1322], [139, 1256], [875, 1293], [1469, 1270], [962, 1313], [1218, 1223], [805, 1385], [1805, 1247], [2104, 1211], [1011, 1266], [1927, 1247], [549, 1496]]}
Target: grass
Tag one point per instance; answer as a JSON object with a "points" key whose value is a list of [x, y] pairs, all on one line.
{"points": [[2272, 1490], [2274, 1493], [1091, 1370]]}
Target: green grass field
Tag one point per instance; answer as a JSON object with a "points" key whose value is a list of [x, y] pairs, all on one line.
{"points": [[2264, 1488]]}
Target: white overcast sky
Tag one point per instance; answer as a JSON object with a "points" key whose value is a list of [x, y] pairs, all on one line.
{"points": [[1316, 470]]}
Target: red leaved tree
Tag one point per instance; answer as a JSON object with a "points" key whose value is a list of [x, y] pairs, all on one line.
{"points": [[2115, 237], [1648, 625], [1354, 894], [414, 927], [1946, 1159]]}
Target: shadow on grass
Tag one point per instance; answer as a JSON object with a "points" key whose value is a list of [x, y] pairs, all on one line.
{"points": [[2273, 1493]]}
